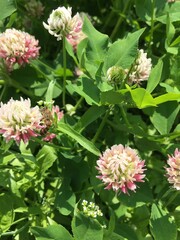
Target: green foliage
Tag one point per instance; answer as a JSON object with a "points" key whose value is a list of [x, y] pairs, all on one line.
{"points": [[162, 224], [43, 183], [7, 8], [86, 228], [52, 232]]}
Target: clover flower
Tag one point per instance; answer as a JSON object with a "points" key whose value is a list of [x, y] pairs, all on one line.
{"points": [[59, 22], [76, 34], [120, 168], [91, 209], [34, 8], [141, 69], [62, 24], [19, 121], [115, 75], [17, 47], [173, 171]]}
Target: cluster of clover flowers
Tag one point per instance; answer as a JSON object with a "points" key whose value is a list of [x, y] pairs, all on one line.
{"points": [[119, 167]]}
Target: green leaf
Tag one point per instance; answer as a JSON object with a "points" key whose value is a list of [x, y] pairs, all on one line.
{"points": [[164, 116], [162, 225], [6, 212], [86, 228], [7, 7], [170, 30], [167, 97], [84, 142], [70, 50], [111, 226], [142, 98], [86, 88], [173, 11], [112, 97], [93, 113], [50, 90], [52, 232], [155, 77], [65, 200], [96, 45], [45, 158], [114, 236], [144, 9], [123, 52]]}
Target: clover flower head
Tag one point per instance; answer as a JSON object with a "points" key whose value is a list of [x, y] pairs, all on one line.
{"points": [[59, 22], [76, 34], [115, 74], [141, 69], [19, 121], [17, 47], [173, 171], [120, 168], [34, 8], [91, 209]]}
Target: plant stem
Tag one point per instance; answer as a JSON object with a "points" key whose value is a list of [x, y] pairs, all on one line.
{"points": [[125, 116], [35, 139], [16, 231], [78, 103], [120, 20], [64, 74], [16, 85], [100, 127], [3, 91], [152, 26]]}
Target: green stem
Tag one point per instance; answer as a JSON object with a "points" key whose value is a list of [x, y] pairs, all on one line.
{"points": [[125, 116], [45, 65], [78, 103], [152, 25], [64, 74], [16, 85], [100, 127], [121, 18], [16, 231], [3, 91], [35, 139]]}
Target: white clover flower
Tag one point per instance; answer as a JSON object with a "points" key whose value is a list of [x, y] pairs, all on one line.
{"points": [[173, 171], [59, 22], [141, 69], [19, 121], [120, 168]]}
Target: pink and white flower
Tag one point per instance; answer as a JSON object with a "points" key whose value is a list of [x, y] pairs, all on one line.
{"points": [[141, 69], [17, 47], [173, 171], [120, 168], [19, 121], [76, 34], [62, 24]]}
